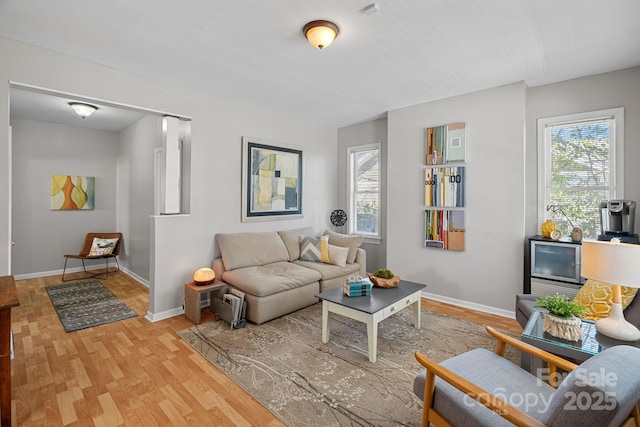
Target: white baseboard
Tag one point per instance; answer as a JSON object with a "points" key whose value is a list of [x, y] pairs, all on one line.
{"points": [[471, 305], [125, 270], [135, 277], [55, 272], [155, 317]]}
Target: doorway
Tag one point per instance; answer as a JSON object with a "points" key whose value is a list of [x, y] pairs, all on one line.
{"points": [[115, 145]]}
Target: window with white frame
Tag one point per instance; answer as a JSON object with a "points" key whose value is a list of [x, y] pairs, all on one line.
{"points": [[580, 163], [364, 190]]}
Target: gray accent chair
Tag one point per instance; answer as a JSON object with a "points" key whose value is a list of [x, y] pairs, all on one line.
{"points": [[482, 388]]}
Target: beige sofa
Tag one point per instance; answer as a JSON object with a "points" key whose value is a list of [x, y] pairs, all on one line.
{"points": [[267, 268]]}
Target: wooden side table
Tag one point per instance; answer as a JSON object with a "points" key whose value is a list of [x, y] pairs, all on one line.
{"points": [[192, 298], [8, 299]]}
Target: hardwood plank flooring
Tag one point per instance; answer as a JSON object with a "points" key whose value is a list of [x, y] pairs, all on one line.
{"points": [[131, 372]]}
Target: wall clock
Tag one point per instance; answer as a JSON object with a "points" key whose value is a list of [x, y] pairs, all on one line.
{"points": [[338, 217]]}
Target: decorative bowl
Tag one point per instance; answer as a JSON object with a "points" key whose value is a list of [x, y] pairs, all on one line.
{"points": [[385, 283]]}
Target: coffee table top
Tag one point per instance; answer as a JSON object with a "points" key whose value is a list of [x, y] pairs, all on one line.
{"points": [[592, 342], [379, 299]]}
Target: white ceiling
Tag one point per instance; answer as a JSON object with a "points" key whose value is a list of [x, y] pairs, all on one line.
{"points": [[411, 51]]}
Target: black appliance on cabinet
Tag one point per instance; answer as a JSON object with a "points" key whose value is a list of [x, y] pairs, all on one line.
{"points": [[617, 219]]}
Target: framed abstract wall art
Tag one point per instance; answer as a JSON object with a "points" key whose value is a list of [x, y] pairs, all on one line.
{"points": [[271, 180], [72, 192]]}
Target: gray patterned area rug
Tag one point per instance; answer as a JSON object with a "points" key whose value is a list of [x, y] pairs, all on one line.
{"points": [[87, 303], [285, 366]]}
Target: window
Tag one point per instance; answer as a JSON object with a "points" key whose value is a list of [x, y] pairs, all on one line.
{"points": [[364, 190], [580, 164]]}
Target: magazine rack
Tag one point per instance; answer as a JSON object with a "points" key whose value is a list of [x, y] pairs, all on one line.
{"points": [[224, 311]]}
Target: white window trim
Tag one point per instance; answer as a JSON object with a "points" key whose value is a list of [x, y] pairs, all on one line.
{"points": [[370, 238], [617, 152]]}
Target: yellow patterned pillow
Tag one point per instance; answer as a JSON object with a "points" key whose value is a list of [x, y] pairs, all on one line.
{"points": [[596, 297]]}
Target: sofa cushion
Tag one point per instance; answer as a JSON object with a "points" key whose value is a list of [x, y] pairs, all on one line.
{"points": [[240, 250], [314, 248], [351, 242], [268, 279], [524, 307], [597, 297], [338, 255], [290, 239], [329, 271]]}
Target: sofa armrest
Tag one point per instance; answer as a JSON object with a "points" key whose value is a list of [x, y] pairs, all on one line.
{"points": [[218, 268], [361, 259]]}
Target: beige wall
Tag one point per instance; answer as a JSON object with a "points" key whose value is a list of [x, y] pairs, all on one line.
{"points": [[489, 272], [186, 243]]}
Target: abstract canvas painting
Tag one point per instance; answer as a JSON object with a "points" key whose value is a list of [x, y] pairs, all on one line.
{"points": [[445, 186], [271, 181], [72, 192], [446, 144], [445, 229]]}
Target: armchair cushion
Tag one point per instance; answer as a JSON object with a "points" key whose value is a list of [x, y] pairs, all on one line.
{"points": [[600, 392], [494, 374]]}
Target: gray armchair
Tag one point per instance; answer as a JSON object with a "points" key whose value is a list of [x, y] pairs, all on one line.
{"points": [[482, 388]]}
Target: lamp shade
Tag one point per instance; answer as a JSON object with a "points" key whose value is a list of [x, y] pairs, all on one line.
{"points": [[321, 33], [204, 276], [611, 262], [82, 109]]}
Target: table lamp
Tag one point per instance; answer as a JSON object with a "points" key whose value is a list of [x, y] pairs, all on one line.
{"points": [[619, 264]]}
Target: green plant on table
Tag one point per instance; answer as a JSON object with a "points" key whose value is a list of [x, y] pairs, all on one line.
{"points": [[561, 306], [383, 273]]}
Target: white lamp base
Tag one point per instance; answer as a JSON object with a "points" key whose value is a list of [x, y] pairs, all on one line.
{"points": [[615, 326]]}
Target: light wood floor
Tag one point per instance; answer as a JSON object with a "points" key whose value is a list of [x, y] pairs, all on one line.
{"points": [[131, 372]]}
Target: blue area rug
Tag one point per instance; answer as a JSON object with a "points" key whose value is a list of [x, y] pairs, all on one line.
{"points": [[87, 303]]}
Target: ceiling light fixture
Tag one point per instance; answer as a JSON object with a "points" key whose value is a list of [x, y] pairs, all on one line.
{"points": [[82, 109], [321, 33]]}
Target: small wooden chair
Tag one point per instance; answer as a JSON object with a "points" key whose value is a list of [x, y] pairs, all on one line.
{"points": [[86, 250]]}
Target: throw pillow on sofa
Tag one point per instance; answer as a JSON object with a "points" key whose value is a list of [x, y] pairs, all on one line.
{"points": [[345, 241], [338, 255], [597, 298], [314, 249], [318, 249]]}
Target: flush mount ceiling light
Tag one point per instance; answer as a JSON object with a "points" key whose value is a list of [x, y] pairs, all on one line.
{"points": [[82, 109], [321, 33]]}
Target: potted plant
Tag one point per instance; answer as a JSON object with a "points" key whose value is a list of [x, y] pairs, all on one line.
{"points": [[562, 317]]}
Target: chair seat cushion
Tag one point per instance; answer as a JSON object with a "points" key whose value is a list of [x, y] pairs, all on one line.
{"points": [[494, 374]]}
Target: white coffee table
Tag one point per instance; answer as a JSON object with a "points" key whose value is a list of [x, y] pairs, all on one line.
{"points": [[371, 309]]}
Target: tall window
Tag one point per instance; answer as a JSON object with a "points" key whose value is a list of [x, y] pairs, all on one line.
{"points": [[580, 164], [364, 190]]}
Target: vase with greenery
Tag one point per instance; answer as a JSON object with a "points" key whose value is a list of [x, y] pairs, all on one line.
{"points": [[562, 319]]}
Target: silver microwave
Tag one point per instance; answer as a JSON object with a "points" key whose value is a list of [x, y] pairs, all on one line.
{"points": [[554, 260]]}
